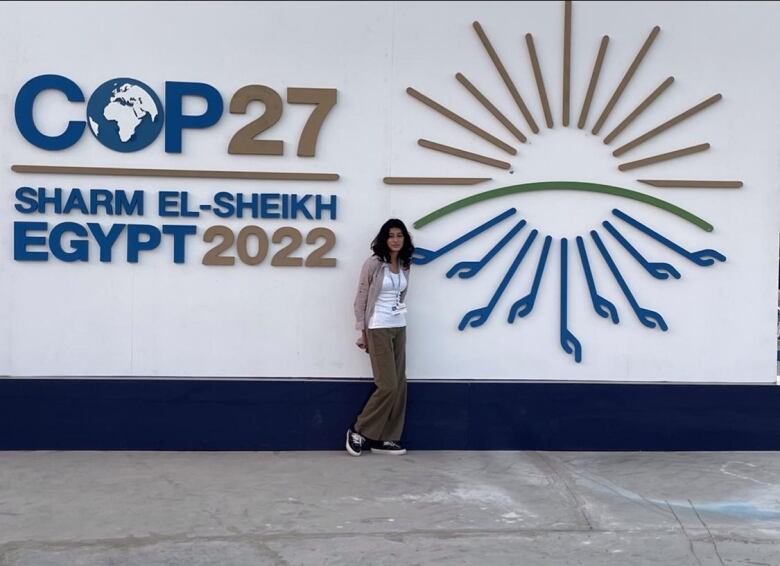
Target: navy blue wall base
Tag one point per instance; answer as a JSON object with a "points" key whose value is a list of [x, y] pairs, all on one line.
{"points": [[180, 414]]}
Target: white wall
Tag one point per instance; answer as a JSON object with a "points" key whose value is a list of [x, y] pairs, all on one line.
{"points": [[160, 319]]}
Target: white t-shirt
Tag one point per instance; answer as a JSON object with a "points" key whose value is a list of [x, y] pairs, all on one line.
{"points": [[393, 284]]}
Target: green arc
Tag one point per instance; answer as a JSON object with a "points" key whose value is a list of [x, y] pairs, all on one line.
{"points": [[564, 186]]}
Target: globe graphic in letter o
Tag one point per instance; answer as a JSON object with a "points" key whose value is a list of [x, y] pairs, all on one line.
{"points": [[125, 114]]}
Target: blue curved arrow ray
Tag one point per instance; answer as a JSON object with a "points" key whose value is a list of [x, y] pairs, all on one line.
{"points": [[569, 342], [423, 256], [602, 306], [659, 270], [525, 305], [469, 269], [647, 317], [700, 257], [478, 317]]}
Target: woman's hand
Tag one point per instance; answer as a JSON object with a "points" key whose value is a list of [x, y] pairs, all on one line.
{"points": [[362, 341]]}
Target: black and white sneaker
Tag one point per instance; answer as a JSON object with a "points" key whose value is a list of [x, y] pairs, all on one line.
{"points": [[388, 447], [355, 442]]}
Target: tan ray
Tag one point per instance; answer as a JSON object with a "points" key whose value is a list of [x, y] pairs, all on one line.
{"points": [[664, 156], [529, 41], [594, 79], [691, 184], [463, 154], [566, 62], [506, 78], [490, 107], [639, 109], [666, 125], [626, 79], [461, 121], [434, 180]]}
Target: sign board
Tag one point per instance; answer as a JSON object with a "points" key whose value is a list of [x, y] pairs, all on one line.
{"points": [[592, 188]]}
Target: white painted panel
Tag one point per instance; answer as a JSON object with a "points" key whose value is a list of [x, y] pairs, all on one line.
{"points": [[159, 319]]}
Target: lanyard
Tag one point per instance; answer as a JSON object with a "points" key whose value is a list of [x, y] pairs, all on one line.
{"points": [[392, 282]]}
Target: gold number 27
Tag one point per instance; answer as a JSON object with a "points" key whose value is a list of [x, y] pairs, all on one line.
{"points": [[243, 141]]}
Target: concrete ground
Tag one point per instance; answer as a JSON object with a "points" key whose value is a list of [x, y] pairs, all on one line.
{"points": [[484, 508]]}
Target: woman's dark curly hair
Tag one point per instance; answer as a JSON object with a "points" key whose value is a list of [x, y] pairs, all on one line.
{"points": [[379, 245]]}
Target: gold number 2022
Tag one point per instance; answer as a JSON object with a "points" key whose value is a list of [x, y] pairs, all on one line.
{"points": [[252, 246], [244, 142]]}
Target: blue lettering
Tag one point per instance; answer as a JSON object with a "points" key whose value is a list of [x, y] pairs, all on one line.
{"points": [[80, 250], [166, 200], [56, 200], [269, 209], [185, 209], [22, 239], [101, 197], [134, 243], [105, 241], [26, 196], [134, 206], [179, 234], [23, 112], [223, 204], [176, 121], [241, 205], [75, 200], [321, 205], [299, 205]]}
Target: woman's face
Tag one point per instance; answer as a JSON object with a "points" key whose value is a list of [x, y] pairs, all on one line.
{"points": [[395, 239]]}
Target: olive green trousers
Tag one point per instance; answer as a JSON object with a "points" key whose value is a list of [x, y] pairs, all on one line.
{"points": [[383, 416]]}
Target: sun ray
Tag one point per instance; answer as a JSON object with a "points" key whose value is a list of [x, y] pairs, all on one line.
{"points": [[622, 239], [626, 79], [491, 107], [478, 317], [658, 269], [423, 256], [603, 307], [435, 180], [638, 110], [463, 154], [666, 125], [594, 79], [525, 305], [647, 317], [461, 121], [468, 269], [529, 41], [691, 184], [506, 78], [700, 257], [569, 342], [566, 62], [664, 156]]}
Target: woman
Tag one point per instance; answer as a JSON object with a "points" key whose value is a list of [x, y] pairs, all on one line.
{"points": [[380, 317]]}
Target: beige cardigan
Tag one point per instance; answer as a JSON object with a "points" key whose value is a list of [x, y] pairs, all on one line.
{"points": [[369, 287]]}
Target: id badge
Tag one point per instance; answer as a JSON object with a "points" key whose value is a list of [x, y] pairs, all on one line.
{"points": [[399, 308]]}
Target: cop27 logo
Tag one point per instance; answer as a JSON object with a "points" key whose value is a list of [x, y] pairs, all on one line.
{"points": [[622, 229], [126, 115]]}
